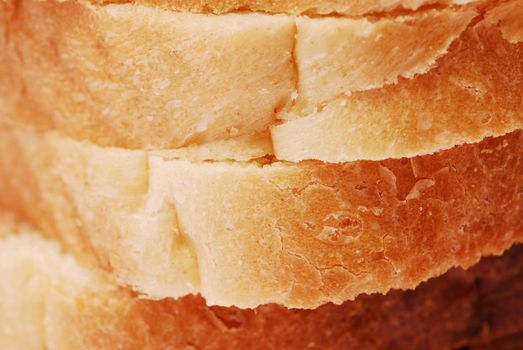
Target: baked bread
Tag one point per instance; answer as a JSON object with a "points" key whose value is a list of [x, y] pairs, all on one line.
{"points": [[309, 7], [154, 145], [138, 76], [49, 301], [249, 233], [470, 93]]}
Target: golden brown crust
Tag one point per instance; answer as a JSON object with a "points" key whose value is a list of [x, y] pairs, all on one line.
{"points": [[179, 79], [326, 232], [48, 301]]}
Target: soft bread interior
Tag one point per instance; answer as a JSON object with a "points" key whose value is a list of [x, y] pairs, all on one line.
{"points": [[464, 97], [295, 7], [34, 272], [326, 232], [49, 301], [334, 89]]}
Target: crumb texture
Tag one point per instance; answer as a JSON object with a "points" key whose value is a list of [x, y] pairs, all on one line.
{"points": [[327, 232], [155, 144], [467, 96], [143, 77], [61, 305], [295, 7]]}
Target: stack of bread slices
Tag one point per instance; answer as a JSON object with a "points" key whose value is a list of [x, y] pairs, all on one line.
{"points": [[241, 174]]}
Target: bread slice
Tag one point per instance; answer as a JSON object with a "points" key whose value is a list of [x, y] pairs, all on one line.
{"points": [[49, 301], [472, 92], [309, 7], [33, 271], [249, 233], [135, 76], [339, 56]]}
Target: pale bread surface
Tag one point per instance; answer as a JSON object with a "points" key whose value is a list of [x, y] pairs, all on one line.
{"points": [[295, 7], [474, 91], [49, 301], [107, 203], [136, 76], [252, 233], [180, 79]]}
